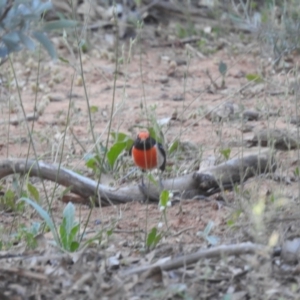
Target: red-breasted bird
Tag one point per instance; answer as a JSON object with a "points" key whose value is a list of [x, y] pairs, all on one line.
{"points": [[148, 154]]}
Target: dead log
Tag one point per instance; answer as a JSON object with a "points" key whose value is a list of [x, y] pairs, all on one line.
{"points": [[206, 182]]}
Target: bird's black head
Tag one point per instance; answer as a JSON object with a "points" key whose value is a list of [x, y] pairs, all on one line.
{"points": [[144, 141]]}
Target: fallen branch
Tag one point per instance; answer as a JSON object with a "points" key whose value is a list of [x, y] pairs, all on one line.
{"points": [[206, 182], [185, 260]]}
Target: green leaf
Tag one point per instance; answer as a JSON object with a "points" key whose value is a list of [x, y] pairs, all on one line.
{"points": [[155, 133], [222, 68], [129, 144], [234, 217], [157, 239], [174, 146], [69, 217], [164, 198], [226, 153], [208, 228], [151, 237], [26, 41], [88, 156], [115, 151], [213, 240], [34, 193], [60, 24], [63, 234], [74, 246], [297, 172], [94, 109], [35, 227], [272, 198], [254, 77], [119, 136], [11, 41], [122, 137], [9, 195], [92, 161], [230, 223], [45, 42], [74, 232], [152, 179], [43, 7], [44, 215], [109, 232], [84, 46], [63, 59]]}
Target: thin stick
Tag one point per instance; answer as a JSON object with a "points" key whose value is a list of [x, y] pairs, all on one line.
{"points": [[185, 260]]}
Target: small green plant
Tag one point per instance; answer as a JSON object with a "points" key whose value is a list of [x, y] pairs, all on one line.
{"points": [[122, 142], [234, 217], [164, 202], [204, 46], [153, 238], [226, 153], [68, 235], [94, 109], [8, 201], [185, 31], [254, 77], [94, 162], [33, 192], [211, 239], [297, 172], [69, 229], [223, 71], [29, 234], [174, 147]]}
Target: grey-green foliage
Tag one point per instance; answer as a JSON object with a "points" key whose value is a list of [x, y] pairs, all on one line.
{"points": [[20, 25]]}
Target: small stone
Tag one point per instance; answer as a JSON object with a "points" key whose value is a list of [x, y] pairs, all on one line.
{"points": [[172, 68], [251, 115], [181, 62], [55, 97], [178, 98], [58, 78], [163, 79], [246, 128], [37, 87]]}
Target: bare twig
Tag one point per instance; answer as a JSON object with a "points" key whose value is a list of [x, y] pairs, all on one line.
{"points": [[211, 80], [183, 230], [184, 260], [24, 273]]}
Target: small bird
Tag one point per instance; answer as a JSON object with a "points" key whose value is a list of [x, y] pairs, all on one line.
{"points": [[148, 154]]}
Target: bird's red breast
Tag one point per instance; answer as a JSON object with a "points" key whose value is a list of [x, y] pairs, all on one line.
{"points": [[147, 153], [145, 159]]}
